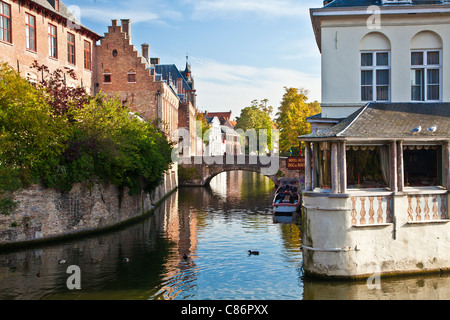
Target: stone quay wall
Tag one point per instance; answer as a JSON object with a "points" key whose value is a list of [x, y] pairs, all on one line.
{"points": [[44, 214]]}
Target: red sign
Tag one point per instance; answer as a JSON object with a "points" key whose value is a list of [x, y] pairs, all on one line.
{"points": [[295, 163]]}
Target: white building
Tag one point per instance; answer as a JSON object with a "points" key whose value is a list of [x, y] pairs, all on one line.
{"points": [[214, 146], [376, 197], [231, 141]]}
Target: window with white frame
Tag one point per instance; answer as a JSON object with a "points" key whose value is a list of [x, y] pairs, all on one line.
{"points": [[426, 75], [375, 76]]}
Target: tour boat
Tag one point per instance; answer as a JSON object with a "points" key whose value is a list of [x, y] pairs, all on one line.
{"points": [[286, 200]]}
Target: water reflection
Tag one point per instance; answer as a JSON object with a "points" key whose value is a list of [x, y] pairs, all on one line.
{"points": [[195, 247]]}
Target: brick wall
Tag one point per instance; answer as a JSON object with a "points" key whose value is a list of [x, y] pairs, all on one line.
{"points": [[18, 57], [46, 214], [118, 62]]}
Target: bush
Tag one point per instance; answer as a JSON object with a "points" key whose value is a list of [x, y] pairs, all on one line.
{"points": [[64, 142]]}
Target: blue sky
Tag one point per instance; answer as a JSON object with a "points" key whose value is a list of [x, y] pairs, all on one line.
{"points": [[239, 50]]}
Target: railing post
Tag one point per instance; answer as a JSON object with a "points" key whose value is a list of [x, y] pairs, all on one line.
{"points": [[334, 168], [446, 172], [393, 166], [400, 178], [308, 173], [343, 167]]}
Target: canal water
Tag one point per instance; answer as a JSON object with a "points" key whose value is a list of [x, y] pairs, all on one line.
{"points": [[195, 247]]}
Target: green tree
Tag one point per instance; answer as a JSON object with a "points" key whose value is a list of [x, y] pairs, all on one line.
{"points": [[58, 142], [201, 117], [291, 117], [262, 105], [255, 118], [29, 132], [111, 143]]}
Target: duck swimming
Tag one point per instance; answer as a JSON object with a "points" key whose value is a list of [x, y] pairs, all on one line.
{"points": [[253, 252]]}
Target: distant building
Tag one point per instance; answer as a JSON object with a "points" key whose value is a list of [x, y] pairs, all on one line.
{"points": [[222, 116], [183, 84], [45, 31], [231, 141], [214, 146]]}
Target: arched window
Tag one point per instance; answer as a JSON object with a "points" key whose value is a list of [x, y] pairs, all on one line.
{"points": [[426, 66], [375, 50]]}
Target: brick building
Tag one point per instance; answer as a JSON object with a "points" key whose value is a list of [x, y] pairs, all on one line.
{"points": [[124, 72], [183, 83], [46, 31]]}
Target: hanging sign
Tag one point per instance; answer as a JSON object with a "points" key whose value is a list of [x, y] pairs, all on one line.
{"points": [[295, 163]]}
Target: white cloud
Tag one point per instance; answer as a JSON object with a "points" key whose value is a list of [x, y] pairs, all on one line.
{"points": [[227, 87], [137, 10], [105, 16], [206, 9]]}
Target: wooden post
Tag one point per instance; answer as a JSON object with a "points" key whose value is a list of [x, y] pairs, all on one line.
{"points": [[343, 167], [334, 168], [313, 165], [308, 173], [393, 166], [400, 178], [446, 171]]}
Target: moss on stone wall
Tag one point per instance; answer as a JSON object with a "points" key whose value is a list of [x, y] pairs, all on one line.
{"points": [[188, 173], [7, 204]]}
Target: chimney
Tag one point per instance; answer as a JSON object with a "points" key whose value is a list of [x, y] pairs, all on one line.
{"points": [[114, 23], [145, 51], [126, 27]]}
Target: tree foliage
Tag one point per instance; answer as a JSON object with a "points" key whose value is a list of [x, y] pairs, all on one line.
{"points": [[256, 117], [201, 130], [291, 117], [60, 96], [61, 139], [29, 131]]}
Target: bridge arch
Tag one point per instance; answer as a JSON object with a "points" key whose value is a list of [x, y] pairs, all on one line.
{"points": [[211, 176], [195, 171]]}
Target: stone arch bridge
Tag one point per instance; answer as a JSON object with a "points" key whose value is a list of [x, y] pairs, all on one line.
{"points": [[199, 170]]}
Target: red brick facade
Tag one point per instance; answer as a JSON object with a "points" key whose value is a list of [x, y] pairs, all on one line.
{"points": [[43, 30], [14, 40], [122, 71]]}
